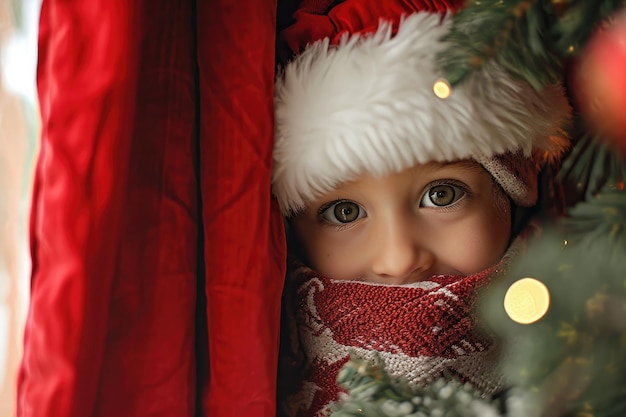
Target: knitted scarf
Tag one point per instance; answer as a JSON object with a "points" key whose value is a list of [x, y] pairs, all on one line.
{"points": [[421, 331]]}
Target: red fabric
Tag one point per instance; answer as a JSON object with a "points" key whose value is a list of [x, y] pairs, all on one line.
{"points": [[416, 321], [139, 163], [149, 364], [77, 202], [316, 20], [244, 249], [421, 331]]}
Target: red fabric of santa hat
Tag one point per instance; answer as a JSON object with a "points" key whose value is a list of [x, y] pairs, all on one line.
{"points": [[358, 98]]}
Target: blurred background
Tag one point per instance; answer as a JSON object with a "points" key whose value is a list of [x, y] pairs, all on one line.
{"points": [[19, 128]]}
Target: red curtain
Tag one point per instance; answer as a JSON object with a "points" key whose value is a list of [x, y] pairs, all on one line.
{"points": [[158, 252]]}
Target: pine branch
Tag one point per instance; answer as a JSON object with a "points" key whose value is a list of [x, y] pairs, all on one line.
{"points": [[579, 21], [372, 392], [531, 39], [601, 221], [513, 33], [575, 356], [591, 166]]}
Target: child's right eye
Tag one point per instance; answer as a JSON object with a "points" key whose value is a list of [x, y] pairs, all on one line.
{"points": [[342, 212]]}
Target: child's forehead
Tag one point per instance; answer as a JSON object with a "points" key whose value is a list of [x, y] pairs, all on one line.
{"points": [[460, 167]]}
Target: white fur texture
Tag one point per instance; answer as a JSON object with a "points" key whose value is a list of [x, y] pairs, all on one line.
{"points": [[368, 105]]}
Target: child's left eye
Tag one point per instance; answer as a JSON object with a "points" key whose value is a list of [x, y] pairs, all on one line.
{"points": [[441, 195], [342, 212]]}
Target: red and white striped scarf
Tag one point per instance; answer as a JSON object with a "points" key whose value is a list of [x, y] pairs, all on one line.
{"points": [[420, 330]]}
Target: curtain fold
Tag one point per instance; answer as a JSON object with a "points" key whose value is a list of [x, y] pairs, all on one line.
{"points": [[87, 105], [149, 361], [244, 241], [153, 180]]}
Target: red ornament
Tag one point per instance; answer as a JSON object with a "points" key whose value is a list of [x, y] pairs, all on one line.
{"points": [[601, 82]]}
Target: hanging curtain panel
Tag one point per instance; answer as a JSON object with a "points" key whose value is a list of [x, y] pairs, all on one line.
{"points": [[158, 251]]}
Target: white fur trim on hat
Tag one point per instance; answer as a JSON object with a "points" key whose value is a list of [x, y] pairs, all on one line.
{"points": [[367, 105]]}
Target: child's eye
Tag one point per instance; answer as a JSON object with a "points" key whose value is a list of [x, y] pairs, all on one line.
{"points": [[441, 195], [342, 212]]}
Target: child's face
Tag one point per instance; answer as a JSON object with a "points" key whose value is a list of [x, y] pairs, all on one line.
{"points": [[431, 219]]}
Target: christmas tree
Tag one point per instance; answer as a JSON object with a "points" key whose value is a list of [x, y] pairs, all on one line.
{"points": [[561, 307]]}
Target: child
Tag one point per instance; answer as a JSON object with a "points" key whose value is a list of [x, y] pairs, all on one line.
{"points": [[402, 204]]}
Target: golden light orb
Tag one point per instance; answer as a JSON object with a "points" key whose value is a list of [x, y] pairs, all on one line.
{"points": [[527, 300], [442, 88]]}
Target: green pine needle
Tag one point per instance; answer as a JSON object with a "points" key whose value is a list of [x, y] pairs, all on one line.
{"points": [[574, 356], [372, 392], [531, 39], [513, 33], [592, 166], [573, 30]]}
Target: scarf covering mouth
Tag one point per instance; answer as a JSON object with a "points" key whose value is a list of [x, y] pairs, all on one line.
{"points": [[421, 331]]}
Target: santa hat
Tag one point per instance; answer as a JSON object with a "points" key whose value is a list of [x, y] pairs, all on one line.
{"points": [[358, 98]]}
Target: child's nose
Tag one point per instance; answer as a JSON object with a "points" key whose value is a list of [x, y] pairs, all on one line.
{"points": [[401, 256]]}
